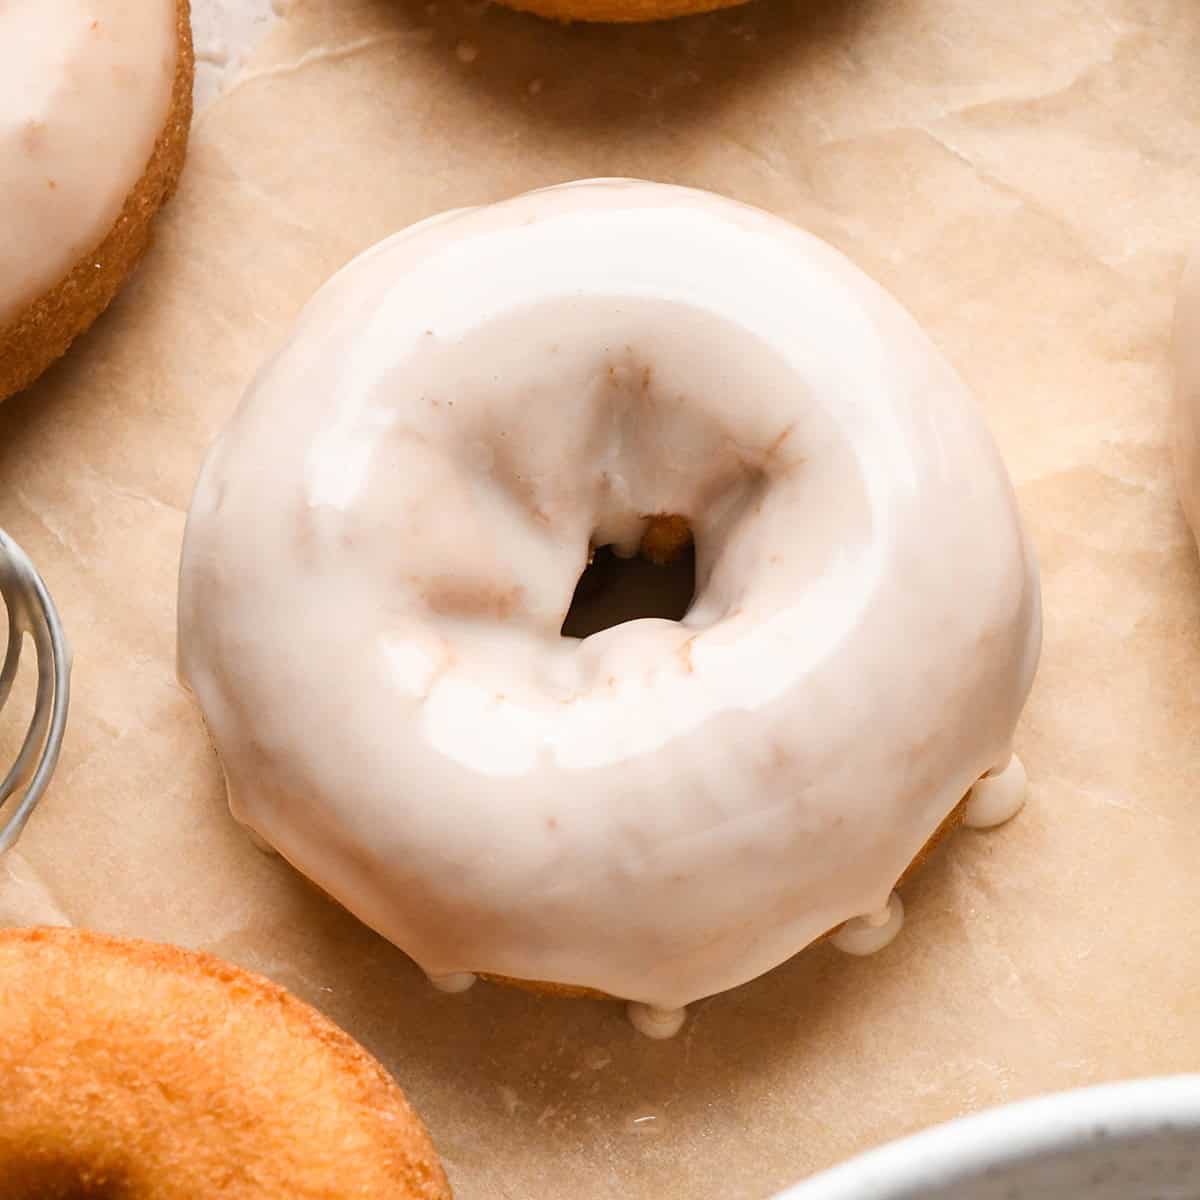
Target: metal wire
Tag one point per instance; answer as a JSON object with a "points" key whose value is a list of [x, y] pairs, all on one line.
{"points": [[32, 616]]}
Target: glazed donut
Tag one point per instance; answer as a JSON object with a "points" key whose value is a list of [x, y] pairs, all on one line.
{"points": [[384, 542], [1187, 394], [133, 1070], [95, 103]]}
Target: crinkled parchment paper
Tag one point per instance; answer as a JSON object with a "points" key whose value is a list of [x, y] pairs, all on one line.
{"points": [[1024, 176]]}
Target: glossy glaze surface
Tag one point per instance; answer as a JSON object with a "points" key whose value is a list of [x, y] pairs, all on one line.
{"points": [[385, 540], [84, 91]]}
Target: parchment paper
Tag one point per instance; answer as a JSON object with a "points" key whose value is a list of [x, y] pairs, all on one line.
{"points": [[1024, 177]]}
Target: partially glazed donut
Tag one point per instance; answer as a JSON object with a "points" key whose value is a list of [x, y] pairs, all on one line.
{"points": [[385, 540], [95, 103], [135, 1071]]}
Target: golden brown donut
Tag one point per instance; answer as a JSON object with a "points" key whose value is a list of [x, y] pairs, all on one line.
{"points": [[41, 333], [134, 1071]]}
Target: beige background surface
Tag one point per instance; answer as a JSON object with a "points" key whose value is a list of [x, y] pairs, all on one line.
{"points": [[1024, 177]]}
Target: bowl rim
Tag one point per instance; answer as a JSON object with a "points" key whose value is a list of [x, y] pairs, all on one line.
{"points": [[962, 1149]]}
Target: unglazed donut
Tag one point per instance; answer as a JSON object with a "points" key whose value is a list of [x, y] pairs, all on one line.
{"points": [[146, 1072], [384, 541], [95, 103], [1187, 394]]}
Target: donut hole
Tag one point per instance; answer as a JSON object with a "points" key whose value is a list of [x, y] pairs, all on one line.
{"points": [[659, 581]]}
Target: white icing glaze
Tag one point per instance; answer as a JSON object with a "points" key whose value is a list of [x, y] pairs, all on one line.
{"points": [[386, 538], [870, 934], [658, 1023], [85, 87], [997, 797], [1187, 394], [460, 981]]}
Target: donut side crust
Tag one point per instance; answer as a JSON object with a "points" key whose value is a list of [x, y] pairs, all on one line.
{"points": [[235, 1088], [618, 11], [44, 331]]}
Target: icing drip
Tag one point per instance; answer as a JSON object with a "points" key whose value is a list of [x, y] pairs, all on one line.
{"points": [[654, 1022], [997, 797], [869, 934], [453, 984]]}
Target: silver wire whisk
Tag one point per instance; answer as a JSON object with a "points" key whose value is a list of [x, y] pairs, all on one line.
{"points": [[32, 615]]}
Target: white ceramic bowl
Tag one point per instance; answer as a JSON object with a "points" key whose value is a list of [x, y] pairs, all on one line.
{"points": [[1125, 1141]]}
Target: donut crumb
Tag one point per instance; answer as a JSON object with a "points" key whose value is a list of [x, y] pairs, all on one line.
{"points": [[667, 536]]}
